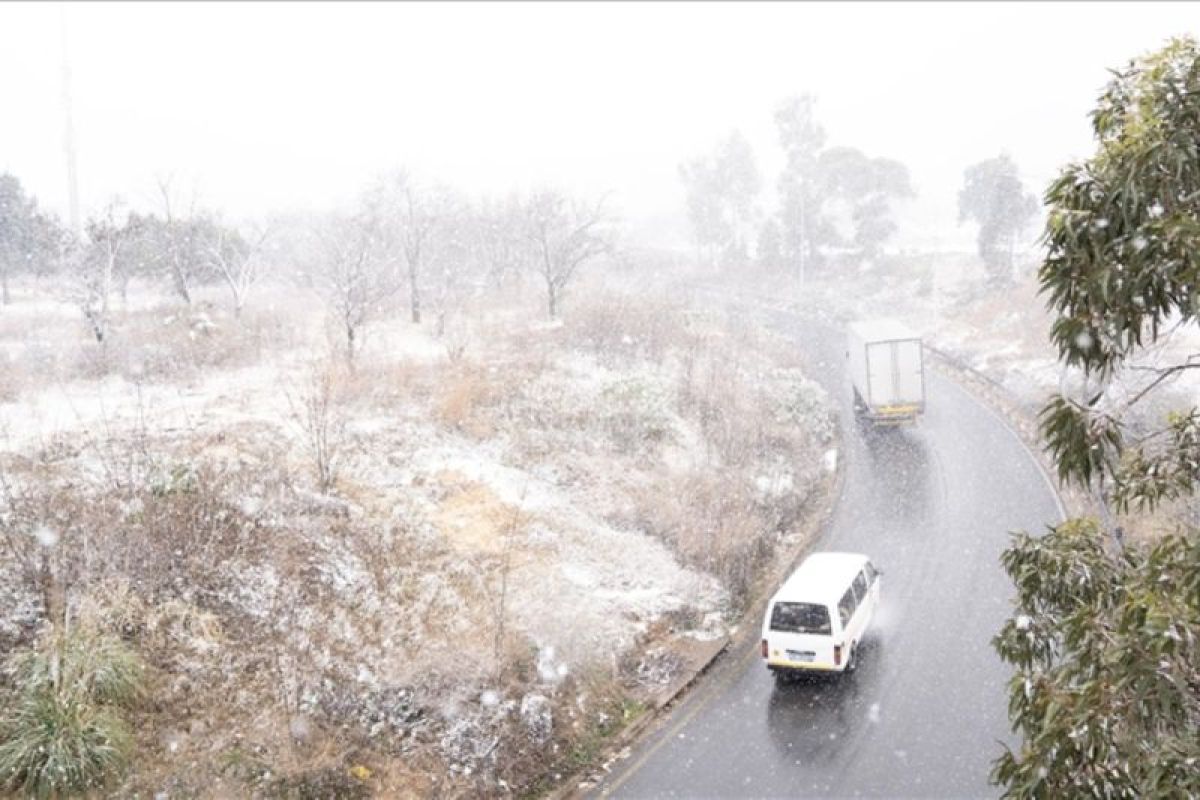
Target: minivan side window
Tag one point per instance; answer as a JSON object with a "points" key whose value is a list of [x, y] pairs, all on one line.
{"points": [[846, 606], [860, 586]]}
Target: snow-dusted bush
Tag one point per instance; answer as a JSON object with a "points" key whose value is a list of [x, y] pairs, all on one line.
{"points": [[472, 735], [801, 401], [387, 713], [537, 715], [636, 411]]}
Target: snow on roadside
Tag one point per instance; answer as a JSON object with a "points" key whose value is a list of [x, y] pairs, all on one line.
{"points": [[594, 587]]}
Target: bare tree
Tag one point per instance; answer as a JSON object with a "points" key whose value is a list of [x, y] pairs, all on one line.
{"points": [[417, 229], [175, 243], [103, 263], [452, 260], [354, 273], [498, 240], [565, 234], [237, 259], [413, 214], [319, 411]]}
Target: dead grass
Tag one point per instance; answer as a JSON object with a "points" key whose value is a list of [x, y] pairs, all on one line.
{"points": [[616, 327], [369, 610], [466, 393], [471, 517]]}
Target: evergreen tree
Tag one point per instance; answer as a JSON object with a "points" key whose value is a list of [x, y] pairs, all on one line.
{"points": [[1105, 641]]}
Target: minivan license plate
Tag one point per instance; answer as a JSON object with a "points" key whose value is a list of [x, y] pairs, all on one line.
{"points": [[797, 655]]}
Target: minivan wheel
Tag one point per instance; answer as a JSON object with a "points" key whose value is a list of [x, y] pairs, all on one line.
{"points": [[852, 659]]}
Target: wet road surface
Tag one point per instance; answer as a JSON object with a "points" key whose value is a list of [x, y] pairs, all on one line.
{"points": [[923, 716]]}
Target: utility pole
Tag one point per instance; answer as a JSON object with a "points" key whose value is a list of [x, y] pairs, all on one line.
{"points": [[803, 229], [69, 130]]}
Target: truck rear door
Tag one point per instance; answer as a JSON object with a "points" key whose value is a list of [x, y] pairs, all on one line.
{"points": [[908, 376], [881, 374], [895, 373]]}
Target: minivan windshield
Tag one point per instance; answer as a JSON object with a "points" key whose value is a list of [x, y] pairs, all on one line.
{"points": [[800, 618]]}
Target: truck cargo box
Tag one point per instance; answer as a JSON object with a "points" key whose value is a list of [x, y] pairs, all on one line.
{"points": [[887, 371]]}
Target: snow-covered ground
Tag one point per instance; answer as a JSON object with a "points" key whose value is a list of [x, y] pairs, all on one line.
{"points": [[514, 509]]}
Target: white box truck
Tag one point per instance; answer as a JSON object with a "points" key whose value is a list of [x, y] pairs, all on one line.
{"points": [[887, 371]]}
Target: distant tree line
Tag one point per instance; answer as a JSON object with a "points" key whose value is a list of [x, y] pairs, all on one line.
{"points": [[831, 200], [834, 203], [994, 198], [402, 241]]}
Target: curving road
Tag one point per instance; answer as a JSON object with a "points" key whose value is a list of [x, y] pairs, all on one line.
{"points": [[924, 714]]}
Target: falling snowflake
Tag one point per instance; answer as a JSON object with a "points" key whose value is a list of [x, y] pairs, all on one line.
{"points": [[46, 536]]}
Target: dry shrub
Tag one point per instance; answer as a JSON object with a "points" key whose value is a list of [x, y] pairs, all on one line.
{"points": [[617, 327], [714, 523], [466, 391], [389, 384], [530, 733], [164, 627], [176, 344], [320, 411], [169, 537], [13, 381], [35, 365], [585, 711]]}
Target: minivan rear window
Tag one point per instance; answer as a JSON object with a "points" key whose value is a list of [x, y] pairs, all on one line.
{"points": [[800, 618]]}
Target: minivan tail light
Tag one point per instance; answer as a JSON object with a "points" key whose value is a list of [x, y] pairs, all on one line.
{"points": [[764, 648], [837, 655]]}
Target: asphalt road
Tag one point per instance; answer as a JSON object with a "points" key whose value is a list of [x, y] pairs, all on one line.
{"points": [[925, 712]]}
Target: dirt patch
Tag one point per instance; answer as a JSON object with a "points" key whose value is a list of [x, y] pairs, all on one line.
{"points": [[472, 518]]}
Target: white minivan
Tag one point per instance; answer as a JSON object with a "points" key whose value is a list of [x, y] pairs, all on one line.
{"points": [[817, 619]]}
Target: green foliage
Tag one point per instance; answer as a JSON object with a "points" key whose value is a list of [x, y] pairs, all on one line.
{"points": [[1106, 651], [1144, 479], [1123, 262], [1081, 444], [1105, 642], [1124, 227], [994, 197], [62, 733], [180, 478], [28, 237]]}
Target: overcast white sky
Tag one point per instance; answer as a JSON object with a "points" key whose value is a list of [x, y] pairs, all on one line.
{"points": [[285, 106]]}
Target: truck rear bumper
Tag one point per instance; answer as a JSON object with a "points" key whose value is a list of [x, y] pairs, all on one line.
{"points": [[895, 415]]}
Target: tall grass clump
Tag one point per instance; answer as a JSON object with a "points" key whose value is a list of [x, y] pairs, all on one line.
{"points": [[62, 732]]}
